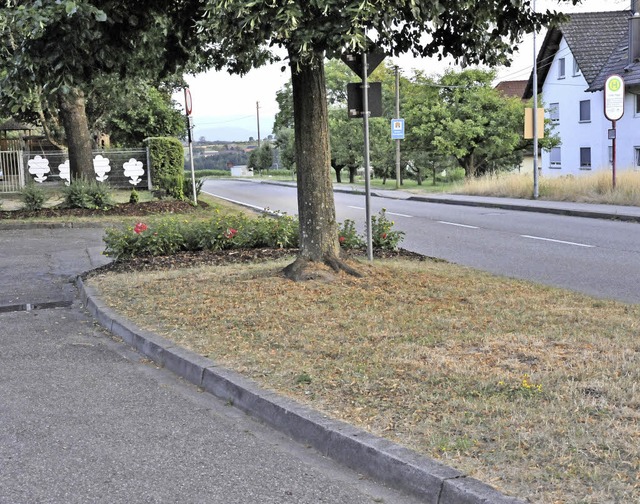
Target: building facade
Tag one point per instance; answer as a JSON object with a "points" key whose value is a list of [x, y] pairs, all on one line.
{"points": [[574, 62]]}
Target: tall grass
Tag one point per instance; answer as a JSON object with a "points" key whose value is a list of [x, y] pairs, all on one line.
{"points": [[593, 188]]}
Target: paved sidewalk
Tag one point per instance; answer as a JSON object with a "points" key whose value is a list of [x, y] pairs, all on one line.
{"points": [[84, 418]]}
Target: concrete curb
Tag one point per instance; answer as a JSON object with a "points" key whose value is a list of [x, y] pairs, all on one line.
{"points": [[378, 458], [10, 224], [523, 207]]}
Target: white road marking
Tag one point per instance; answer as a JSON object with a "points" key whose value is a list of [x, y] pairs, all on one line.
{"points": [[400, 215], [457, 225], [558, 241], [261, 209], [357, 208]]}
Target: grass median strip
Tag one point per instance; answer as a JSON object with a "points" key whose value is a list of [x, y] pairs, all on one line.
{"points": [[531, 389]]}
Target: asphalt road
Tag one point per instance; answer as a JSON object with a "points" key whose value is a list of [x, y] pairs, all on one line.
{"points": [[593, 256], [85, 419]]}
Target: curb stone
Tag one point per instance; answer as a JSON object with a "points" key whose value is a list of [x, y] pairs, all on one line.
{"points": [[378, 458]]}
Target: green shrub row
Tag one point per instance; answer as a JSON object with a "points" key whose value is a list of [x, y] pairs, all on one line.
{"points": [[173, 234]]}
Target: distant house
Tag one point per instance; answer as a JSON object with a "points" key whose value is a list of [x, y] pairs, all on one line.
{"points": [[512, 89], [573, 64]]}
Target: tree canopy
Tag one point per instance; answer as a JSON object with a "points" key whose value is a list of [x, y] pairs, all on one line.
{"points": [[240, 35], [54, 51]]}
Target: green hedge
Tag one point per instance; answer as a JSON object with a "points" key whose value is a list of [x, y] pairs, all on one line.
{"points": [[167, 163]]}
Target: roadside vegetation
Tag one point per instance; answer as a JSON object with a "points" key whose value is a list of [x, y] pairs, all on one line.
{"points": [[595, 188], [530, 389]]}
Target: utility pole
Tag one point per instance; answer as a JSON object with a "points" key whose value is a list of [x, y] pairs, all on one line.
{"points": [[258, 121]]}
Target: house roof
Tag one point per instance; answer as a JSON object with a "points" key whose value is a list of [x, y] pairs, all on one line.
{"points": [[514, 88], [13, 125], [599, 43]]}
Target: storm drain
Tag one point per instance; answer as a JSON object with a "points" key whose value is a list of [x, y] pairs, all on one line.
{"points": [[35, 306]]}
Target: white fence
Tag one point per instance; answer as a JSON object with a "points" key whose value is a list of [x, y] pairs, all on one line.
{"points": [[12, 177], [120, 168]]}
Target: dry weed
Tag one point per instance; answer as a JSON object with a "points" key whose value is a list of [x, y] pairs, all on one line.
{"points": [[531, 389], [592, 188]]}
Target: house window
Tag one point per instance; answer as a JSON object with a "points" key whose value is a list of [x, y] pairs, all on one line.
{"points": [[576, 68], [561, 68], [636, 157], [555, 157], [585, 111], [585, 158], [554, 112], [637, 112]]}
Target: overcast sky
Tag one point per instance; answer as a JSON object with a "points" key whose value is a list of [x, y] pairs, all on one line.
{"points": [[223, 101]]}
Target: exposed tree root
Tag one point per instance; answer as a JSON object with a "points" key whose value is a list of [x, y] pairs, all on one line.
{"points": [[303, 269]]}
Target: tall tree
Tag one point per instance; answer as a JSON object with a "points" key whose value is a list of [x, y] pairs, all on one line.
{"points": [[57, 49], [241, 35], [471, 122]]}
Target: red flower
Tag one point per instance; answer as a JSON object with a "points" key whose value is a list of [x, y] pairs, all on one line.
{"points": [[341, 239], [230, 233], [140, 227], [384, 236]]}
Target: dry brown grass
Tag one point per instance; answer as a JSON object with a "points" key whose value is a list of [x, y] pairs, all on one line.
{"points": [[595, 188], [531, 389]]}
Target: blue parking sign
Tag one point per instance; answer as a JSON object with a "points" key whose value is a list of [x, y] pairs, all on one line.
{"points": [[397, 129]]}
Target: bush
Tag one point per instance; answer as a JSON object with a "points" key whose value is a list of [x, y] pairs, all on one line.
{"points": [[167, 165], [33, 197], [173, 234], [348, 236], [187, 187], [83, 194], [382, 234], [134, 197], [100, 194]]}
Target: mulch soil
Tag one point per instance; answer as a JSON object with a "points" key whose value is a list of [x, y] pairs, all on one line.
{"points": [[165, 206]]}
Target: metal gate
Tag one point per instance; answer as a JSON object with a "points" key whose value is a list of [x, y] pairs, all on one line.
{"points": [[11, 171]]}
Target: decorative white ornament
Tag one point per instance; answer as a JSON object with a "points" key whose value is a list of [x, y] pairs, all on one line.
{"points": [[38, 166], [133, 169], [65, 172], [101, 167]]}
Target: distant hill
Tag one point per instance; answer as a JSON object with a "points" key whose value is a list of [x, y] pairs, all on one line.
{"points": [[230, 129]]}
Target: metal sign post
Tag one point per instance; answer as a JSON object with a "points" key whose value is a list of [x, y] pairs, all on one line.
{"points": [[363, 71], [367, 161], [613, 110], [392, 129], [187, 109]]}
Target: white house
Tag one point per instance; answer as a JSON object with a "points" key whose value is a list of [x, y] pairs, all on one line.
{"points": [[573, 64]]}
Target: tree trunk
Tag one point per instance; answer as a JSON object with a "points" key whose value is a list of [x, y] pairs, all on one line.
{"points": [[353, 171], [316, 208], [74, 120], [338, 169]]}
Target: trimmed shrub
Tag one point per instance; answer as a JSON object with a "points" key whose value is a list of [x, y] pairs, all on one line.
{"points": [[167, 162]]}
